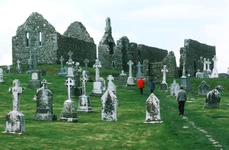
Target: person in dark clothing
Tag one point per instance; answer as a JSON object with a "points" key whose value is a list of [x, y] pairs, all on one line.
{"points": [[181, 99], [151, 86]]}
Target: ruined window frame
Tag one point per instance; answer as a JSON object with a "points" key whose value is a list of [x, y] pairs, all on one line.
{"points": [[27, 39]]}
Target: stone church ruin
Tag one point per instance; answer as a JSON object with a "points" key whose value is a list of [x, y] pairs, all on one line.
{"points": [[37, 37]]}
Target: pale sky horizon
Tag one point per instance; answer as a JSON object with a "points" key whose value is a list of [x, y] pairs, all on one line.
{"points": [[163, 24]]}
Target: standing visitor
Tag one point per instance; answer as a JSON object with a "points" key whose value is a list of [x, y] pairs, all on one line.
{"points": [[151, 86], [181, 99], [141, 83]]}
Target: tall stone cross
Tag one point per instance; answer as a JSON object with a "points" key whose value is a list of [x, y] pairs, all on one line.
{"points": [[86, 61], [84, 81], [139, 68], [30, 59], [61, 61], [97, 66], [110, 78], [215, 60], [18, 63], [130, 63], [204, 63], [69, 83], [208, 62], [16, 90], [164, 70]]}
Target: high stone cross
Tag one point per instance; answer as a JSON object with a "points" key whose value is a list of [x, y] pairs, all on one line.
{"points": [[16, 90], [18, 63], [84, 80], [97, 66], [86, 61], [208, 62], [61, 61], [130, 63], [69, 83], [164, 70]]}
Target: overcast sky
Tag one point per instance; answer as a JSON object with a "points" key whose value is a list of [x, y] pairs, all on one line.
{"points": [[158, 23]]}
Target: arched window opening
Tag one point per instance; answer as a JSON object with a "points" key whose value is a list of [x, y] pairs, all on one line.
{"points": [[40, 38], [27, 39]]}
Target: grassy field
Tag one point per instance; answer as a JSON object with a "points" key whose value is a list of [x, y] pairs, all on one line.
{"points": [[198, 129]]}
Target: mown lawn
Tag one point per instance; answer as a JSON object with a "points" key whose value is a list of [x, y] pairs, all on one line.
{"points": [[130, 131]]}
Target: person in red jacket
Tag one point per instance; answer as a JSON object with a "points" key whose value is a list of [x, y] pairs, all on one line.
{"points": [[141, 84]]}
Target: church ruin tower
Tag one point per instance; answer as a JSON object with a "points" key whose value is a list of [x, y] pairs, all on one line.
{"points": [[191, 54], [106, 47]]}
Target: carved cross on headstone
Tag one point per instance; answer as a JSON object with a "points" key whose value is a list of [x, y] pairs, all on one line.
{"points": [[44, 83], [70, 84], [86, 61], [130, 63], [164, 70], [70, 61], [84, 80], [77, 68], [97, 66], [110, 78], [16, 90], [61, 61]]}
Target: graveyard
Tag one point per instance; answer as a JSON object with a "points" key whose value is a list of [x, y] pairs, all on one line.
{"points": [[199, 128]]}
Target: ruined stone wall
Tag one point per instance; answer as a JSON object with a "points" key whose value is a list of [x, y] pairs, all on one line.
{"points": [[155, 70], [81, 50], [36, 34], [192, 51]]}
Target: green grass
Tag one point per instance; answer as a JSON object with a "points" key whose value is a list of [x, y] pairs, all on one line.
{"points": [[129, 132]]}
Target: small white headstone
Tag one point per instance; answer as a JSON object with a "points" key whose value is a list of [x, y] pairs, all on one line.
{"points": [[1, 75]]}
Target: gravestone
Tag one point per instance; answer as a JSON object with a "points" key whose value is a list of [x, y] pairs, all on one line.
{"points": [[18, 68], [153, 109], [15, 122], [203, 88], [70, 63], [212, 99], [122, 79], [188, 88], [84, 104], [214, 70], [174, 88], [199, 74], [77, 87], [130, 79], [164, 85], [1, 75], [109, 106], [98, 85], [43, 72], [8, 69], [139, 73], [62, 70], [34, 81], [44, 100], [68, 113]]}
